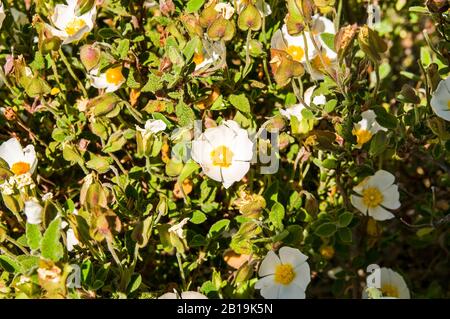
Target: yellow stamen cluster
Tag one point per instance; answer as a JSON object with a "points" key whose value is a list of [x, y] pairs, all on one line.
{"points": [[372, 197], [296, 52], [20, 168], [284, 274], [362, 136], [74, 26], [390, 291], [222, 156], [114, 75]]}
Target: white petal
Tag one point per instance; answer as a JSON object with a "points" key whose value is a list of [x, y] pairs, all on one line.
{"points": [[299, 41], [320, 100], [291, 292], [113, 87], [268, 265], [391, 197], [242, 147], [30, 157], [33, 211], [99, 82], [192, 295], [277, 42], [271, 292], [11, 151], [265, 282], [234, 173], [169, 295], [357, 201], [302, 276], [441, 98], [212, 172], [62, 16], [308, 94], [382, 180], [379, 213], [292, 256], [201, 150]]}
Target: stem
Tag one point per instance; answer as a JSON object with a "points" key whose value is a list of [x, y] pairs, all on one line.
{"points": [[13, 241], [180, 266], [72, 73]]}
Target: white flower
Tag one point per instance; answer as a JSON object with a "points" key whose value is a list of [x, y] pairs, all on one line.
{"points": [[327, 58], [391, 285], [294, 45], [71, 239], [210, 54], [284, 277], [224, 152], [184, 295], [111, 80], [375, 193], [440, 101], [20, 160], [70, 27], [33, 210], [296, 110], [178, 228], [366, 128], [151, 127], [2, 14], [225, 9]]}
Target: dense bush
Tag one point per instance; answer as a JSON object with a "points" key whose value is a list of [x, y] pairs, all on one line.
{"points": [[241, 149]]}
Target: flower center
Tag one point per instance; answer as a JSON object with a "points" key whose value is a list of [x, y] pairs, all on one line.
{"points": [[74, 26], [222, 156], [321, 64], [295, 52], [390, 291], [20, 168], [284, 274], [372, 197], [114, 75], [198, 58], [448, 105], [362, 136]]}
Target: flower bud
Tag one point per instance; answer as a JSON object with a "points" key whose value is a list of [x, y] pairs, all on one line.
{"points": [[255, 48], [208, 15], [371, 43], [90, 56], [104, 105], [343, 40], [192, 24], [221, 29], [249, 18], [408, 95]]}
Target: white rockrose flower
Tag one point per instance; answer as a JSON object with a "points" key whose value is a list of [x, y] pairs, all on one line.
{"points": [[366, 128], [68, 25], [224, 152], [296, 110], [391, 285], [111, 80], [440, 100], [284, 277], [20, 160], [376, 194]]}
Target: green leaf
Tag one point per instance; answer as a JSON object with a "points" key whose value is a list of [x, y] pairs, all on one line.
{"points": [[34, 236], [345, 219], [184, 114], [135, 283], [218, 227], [330, 106], [345, 235], [189, 168], [99, 163], [198, 217], [9, 264], [240, 102], [51, 248], [153, 84], [328, 38], [194, 5], [123, 48], [385, 119], [326, 230], [276, 215]]}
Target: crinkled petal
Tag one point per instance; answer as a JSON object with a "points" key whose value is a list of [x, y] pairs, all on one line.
{"points": [[357, 201], [292, 256], [268, 265], [291, 292], [234, 173], [391, 197], [380, 214]]}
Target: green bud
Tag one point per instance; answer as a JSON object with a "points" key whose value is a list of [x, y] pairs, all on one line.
{"points": [[90, 56], [255, 48], [221, 29], [249, 18], [208, 15], [105, 105], [192, 24], [408, 95]]}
